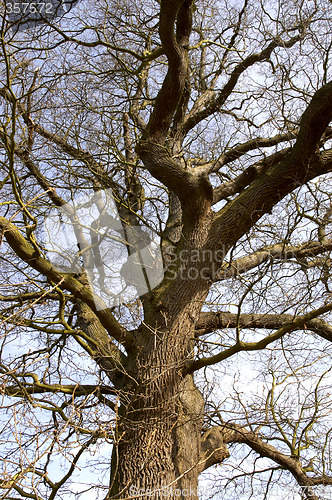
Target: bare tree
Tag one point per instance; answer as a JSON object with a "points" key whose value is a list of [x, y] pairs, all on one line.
{"points": [[166, 236]]}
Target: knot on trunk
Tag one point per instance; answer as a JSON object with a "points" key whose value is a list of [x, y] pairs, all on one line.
{"points": [[213, 448]]}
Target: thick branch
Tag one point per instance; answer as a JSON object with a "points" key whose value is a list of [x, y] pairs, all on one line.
{"points": [[24, 297], [279, 251], [25, 252], [213, 448], [251, 173], [210, 321], [38, 387], [208, 103], [77, 153], [175, 47], [303, 163], [104, 352], [24, 156], [297, 323], [193, 190], [241, 149], [234, 433]]}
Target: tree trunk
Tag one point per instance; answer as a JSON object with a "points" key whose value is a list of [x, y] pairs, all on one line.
{"points": [[158, 455], [160, 423], [158, 448]]}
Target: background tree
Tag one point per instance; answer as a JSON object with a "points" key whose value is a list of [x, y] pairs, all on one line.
{"points": [[208, 125]]}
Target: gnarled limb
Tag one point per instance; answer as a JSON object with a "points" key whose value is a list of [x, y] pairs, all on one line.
{"points": [[252, 144], [297, 323], [234, 433], [175, 45], [278, 252], [251, 173], [237, 185], [208, 103], [303, 163], [213, 448], [193, 190], [210, 321], [28, 254]]}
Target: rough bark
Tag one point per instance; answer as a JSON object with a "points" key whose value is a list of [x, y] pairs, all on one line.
{"points": [[159, 442], [161, 419], [160, 423]]}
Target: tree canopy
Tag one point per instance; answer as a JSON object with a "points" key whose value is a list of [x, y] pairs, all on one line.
{"points": [[166, 237]]}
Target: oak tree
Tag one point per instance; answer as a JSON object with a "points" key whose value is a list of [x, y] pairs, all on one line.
{"points": [[166, 249]]}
